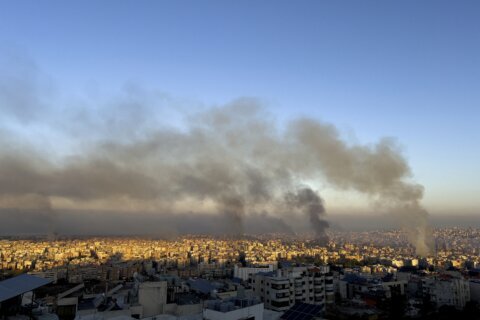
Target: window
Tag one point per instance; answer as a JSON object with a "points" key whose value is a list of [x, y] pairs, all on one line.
{"points": [[278, 286]]}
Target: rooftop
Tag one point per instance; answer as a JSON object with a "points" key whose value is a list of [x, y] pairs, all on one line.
{"points": [[19, 285]]}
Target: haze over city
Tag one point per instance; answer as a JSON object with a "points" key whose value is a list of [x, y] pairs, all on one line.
{"points": [[156, 137], [89, 112]]}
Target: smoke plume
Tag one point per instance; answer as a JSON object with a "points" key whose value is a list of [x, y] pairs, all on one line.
{"points": [[309, 202], [233, 161]]}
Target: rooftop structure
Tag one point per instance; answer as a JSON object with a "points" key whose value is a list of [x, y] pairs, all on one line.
{"points": [[302, 311], [19, 285], [233, 309]]}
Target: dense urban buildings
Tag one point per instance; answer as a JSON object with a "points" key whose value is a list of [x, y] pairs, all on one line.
{"points": [[357, 274], [218, 160]]}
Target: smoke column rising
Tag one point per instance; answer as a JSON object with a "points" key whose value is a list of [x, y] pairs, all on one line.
{"points": [[309, 202]]}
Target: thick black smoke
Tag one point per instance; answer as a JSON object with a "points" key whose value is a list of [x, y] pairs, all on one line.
{"points": [[310, 203]]}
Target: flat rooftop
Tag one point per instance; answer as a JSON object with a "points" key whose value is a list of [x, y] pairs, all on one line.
{"points": [[19, 285]]}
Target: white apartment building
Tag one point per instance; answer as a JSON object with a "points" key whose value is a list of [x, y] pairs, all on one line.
{"points": [[245, 272], [280, 290]]}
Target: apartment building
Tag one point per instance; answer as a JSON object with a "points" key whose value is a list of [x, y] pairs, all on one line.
{"points": [[447, 290], [280, 290]]}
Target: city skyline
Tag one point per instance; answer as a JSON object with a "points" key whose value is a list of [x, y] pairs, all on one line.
{"points": [[239, 160], [73, 96]]}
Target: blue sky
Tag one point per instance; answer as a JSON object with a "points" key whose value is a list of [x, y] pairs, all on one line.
{"points": [[408, 69]]}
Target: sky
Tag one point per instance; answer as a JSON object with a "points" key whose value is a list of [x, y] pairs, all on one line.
{"points": [[408, 70]]}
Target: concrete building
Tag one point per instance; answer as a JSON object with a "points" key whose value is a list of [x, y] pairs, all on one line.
{"points": [[280, 290], [447, 290], [152, 296], [370, 290], [50, 274], [245, 272], [234, 309]]}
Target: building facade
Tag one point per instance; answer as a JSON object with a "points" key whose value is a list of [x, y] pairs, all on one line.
{"points": [[447, 291], [245, 272], [280, 290]]}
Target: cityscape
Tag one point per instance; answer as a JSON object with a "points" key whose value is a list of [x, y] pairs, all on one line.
{"points": [[239, 160], [374, 274]]}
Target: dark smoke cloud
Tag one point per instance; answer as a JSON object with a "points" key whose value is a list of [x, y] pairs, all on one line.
{"points": [[310, 203], [233, 161], [118, 223], [378, 171]]}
